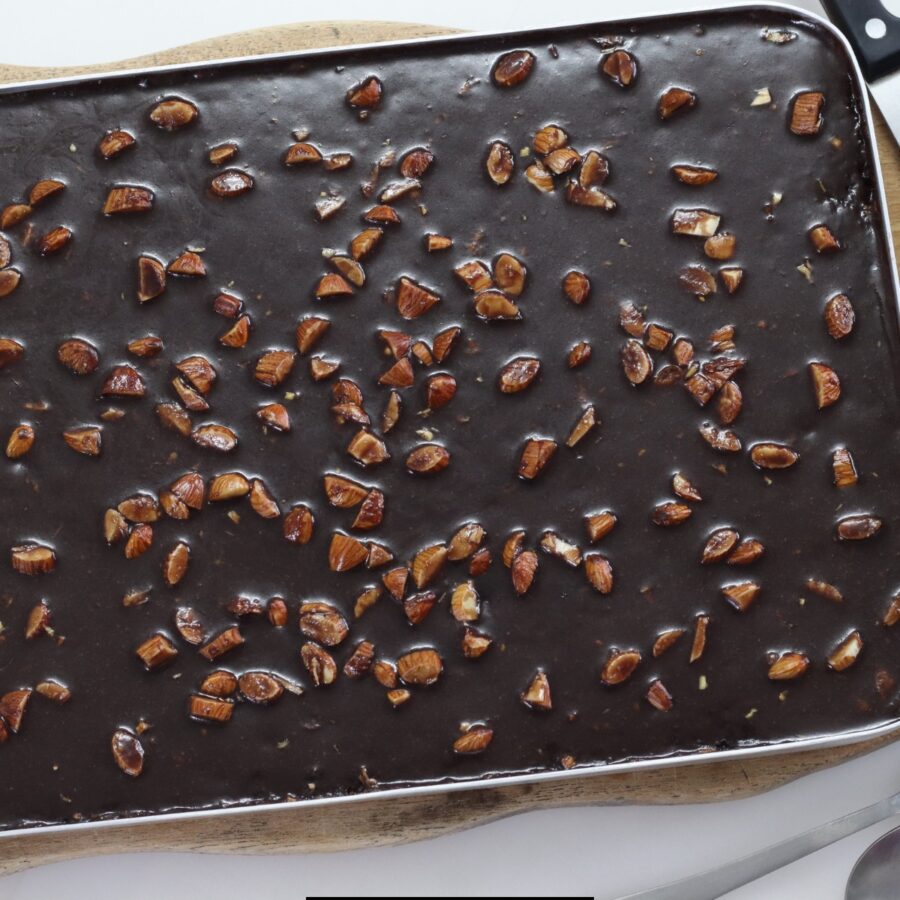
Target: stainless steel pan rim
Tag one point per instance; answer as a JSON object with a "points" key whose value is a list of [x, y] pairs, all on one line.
{"points": [[818, 742]]}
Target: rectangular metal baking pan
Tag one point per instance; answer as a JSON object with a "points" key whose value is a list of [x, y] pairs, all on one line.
{"points": [[819, 742]]}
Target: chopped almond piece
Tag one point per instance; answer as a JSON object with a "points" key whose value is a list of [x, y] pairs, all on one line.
{"points": [[666, 640], [636, 362], [274, 415], [537, 694], [598, 570], [128, 199], [428, 459], [465, 605], [420, 667], [536, 453], [839, 316], [512, 68], [309, 331], [156, 651], [301, 153], [20, 442], [620, 67], [788, 666], [846, 653], [548, 139], [823, 239], [366, 94], [539, 177], [500, 163], [523, 569], [599, 525], [695, 222], [228, 486], [576, 286], [210, 709], [699, 643], [658, 696], [345, 553], [298, 525], [844, 468], [413, 300], [826, 384], [696, 176], [128, 752], [858, 528], [731, 278], [619, 666], [222, 643], [670, 513], [367, 449], [748, 551], [428, 563], [332, 285], [673, 100], [740, 596], [189, 264], [437, 242], [32, 559], [583, 426], [475, 740]]}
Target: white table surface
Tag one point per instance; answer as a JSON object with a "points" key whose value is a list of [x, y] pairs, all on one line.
{"points": [[602, 852]]}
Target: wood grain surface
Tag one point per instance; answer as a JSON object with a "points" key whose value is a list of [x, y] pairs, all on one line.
{"points": [[378, 821]]}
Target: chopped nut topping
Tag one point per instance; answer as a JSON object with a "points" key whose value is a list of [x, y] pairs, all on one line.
{"points": [[826, 384], [115, 142], [174, 113], [858, 528], [519, 374], [537, 694], [748, 551], [54, 241], [465, 542], [839, 316], [773, 456], [156, 651], [620, 67], [740, 596], [536, 453], [345, 552], [366, 94], [475, 740], [658, 696], [548, 139], [806, 113], [151, 278], [699, 643], [512, 68], [215, 437], [585, 423], [539, 177], [187, 621], [695, 222], [666, 640], [188, 265], [420, 667], [33, 559], [210, 709], [673, 100], [323, 623], [228, 486], [428, 459], [846, 653], [523, 568], [222, 643], [298, 525], [696, 176], [128, 752], [619, 666], [636, 362], [86, 441], [360, 661], [20, 442], [464, 603], [219, 684], [576, 286], [720, 439], [128, 198], [599, 525], [671, 513], [500, 163], [427, 563], [598, 570], [844, 468], [683, 487], [788, 666], [367, 449]]}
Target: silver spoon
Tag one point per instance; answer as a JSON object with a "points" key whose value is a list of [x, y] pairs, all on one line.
{"points": [[877, 872], [876, 875]]}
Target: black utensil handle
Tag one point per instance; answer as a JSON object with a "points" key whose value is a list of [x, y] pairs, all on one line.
{"points": [[877, 56]]}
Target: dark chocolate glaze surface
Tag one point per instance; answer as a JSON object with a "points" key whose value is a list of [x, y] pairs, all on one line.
{"points": [[266, 247]]}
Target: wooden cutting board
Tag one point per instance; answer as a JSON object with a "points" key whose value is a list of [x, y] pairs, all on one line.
{"points": [[378, 821]]}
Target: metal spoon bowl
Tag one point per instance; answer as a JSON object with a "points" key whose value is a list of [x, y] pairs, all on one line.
{"points": [[876, 875]]}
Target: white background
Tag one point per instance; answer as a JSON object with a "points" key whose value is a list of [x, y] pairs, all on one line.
{"points": [[603, 852]]}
